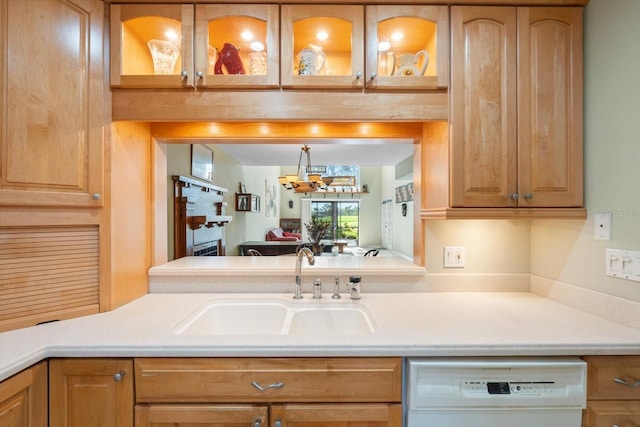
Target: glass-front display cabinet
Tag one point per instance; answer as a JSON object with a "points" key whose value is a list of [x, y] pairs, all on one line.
{"points": [[205, 45], [237, 46], [152, 45], [322, 46], [407, 47]]}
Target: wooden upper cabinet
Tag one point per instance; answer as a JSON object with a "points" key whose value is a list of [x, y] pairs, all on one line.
{"points": [[407, 47], [483, 106], [516, 114], [152, 45], [313, 61], [52, 102], [237, 46], [550, 139]]}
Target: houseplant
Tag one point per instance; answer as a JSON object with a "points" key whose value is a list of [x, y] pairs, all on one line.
{"points": [[316, 229]]}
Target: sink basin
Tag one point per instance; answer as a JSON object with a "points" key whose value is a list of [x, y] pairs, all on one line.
{"points": [[236, 318], [277, 317], [331, 321]]}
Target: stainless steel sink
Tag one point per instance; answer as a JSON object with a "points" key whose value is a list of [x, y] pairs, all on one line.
{"points": [[277, 317]]}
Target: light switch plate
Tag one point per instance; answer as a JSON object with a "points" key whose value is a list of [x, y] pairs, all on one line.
{"points": [[602, 226], [454, 256], [623, 264]]}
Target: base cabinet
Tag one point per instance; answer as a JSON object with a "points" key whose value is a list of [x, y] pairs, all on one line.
{"points": [[613, 391], [280, 392], [91, 392], [23, 398]]}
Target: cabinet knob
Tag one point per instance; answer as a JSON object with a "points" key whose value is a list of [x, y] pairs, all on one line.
{"points": [[96, 196], [514, 196], [257, 423], [118, 377], [373, 76], [528, 196], [199, 74], [277, 423], [184, 74], [358, 75]]}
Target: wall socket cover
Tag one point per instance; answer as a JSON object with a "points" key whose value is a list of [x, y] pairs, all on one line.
{"points": [[602, 226], [454, 256], [623, 264]]}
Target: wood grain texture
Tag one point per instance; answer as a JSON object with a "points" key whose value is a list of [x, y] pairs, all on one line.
{"points": [[23, 398], [52, 103], [601, 372], [187, 415], [46, 272], [344, 415], [83, 392]]}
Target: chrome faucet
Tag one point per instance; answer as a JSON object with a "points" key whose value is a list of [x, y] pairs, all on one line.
{"points": [[307, 252]]}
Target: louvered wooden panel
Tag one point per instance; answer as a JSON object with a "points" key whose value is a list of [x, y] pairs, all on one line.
{"points": [[48, 273]]}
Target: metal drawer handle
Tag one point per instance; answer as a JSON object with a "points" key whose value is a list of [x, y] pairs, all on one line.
{"points": [[118, 376], [628, 384], [263, 388]]}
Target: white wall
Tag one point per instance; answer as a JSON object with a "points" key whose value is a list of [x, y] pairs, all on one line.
{"points": [[402, 232], [566, 250]]}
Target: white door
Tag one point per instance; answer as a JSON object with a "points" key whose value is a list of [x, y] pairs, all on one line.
{"points": [[387, 224]]}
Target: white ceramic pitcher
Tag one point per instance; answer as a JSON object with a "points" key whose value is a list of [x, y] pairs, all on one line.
{"points": [[406, 64], [311, 61]]}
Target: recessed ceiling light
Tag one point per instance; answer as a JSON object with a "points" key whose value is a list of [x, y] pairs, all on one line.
{"points": [[322, 35], [398, 35], [171, 35], [247, 35], [256, 46]]}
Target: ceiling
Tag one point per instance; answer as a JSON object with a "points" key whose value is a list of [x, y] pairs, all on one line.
{"points": [[369, 152]]}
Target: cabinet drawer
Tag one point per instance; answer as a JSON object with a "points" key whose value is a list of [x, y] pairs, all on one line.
{"points": [[283, 379], [602, 372], [199, 414], [613, 413]]}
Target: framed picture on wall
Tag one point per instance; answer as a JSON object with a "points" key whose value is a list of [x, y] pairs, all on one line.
{"points": [[202, 162]]}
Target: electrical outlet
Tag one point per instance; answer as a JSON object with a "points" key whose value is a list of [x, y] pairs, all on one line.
{"points": [[454, 256], [602, 226], [623, 264]]}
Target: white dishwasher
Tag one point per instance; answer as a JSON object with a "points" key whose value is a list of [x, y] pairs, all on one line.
{"points": [[495, 392]]}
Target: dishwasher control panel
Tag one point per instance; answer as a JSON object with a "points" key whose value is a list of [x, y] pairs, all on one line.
{"points": [[478, 387]]}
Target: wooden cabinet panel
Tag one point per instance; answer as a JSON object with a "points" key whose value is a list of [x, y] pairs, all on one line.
{"points": [[296, 380], [87, 392], [614, 413], [345, 415], [190, 415], [23, 398], [53, 103], [602, 374], [483, 106], [550, 147], [613, 391]]}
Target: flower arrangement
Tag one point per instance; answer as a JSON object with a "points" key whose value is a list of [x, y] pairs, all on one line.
{"points": [[317, 228]]}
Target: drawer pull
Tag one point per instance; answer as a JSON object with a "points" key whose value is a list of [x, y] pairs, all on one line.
{"points": [[257, 423], [118, 377], [263, 388], [278, 423], [628, 384]]}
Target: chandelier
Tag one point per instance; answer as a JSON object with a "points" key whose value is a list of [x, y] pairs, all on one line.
{"points": [[298, 183]]}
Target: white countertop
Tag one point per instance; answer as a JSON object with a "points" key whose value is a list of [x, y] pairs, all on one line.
{"points": [[407, 324]]}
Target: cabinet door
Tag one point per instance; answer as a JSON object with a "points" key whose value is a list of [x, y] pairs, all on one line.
{"points": [[91, 392], [152, 45], [237, 46], [190, 415], [23, 398], [407, 47], [346, 415], [612, 413], [322, 46], [550, 158], [483, 106], [52, 103]]}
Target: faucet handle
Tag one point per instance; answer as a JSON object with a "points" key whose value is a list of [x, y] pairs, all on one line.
{"points": [[354, 286]]}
